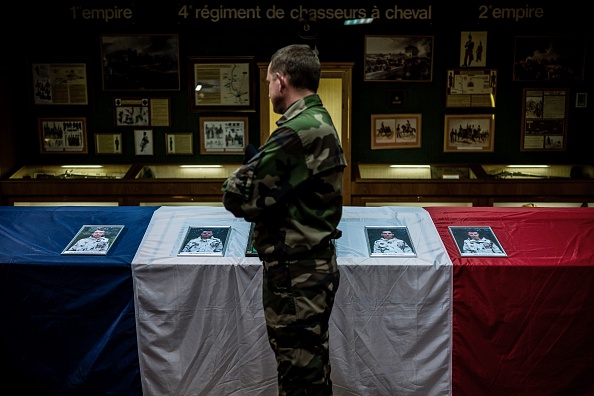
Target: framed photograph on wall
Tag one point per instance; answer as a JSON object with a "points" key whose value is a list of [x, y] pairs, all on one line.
{"points": [[471, 88], [140, 62], [469, 133], [473, 49], [542, 58], [63, 135], [142, 112], [94, 239], [476, 241], [222, 83], [143, 142], [205, 241], [223, 135], [544, 119], [108, 143], [179, 143], [398, 58], [392, 131], [60, 83], [389, 241]]}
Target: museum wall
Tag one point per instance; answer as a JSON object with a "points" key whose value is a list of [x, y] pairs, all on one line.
{"points": [[70, 32]]}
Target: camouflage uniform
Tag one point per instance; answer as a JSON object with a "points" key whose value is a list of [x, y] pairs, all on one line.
{"points": [[292, 190], [199, 245], [90, 244], [477, 246], [393, 245]]}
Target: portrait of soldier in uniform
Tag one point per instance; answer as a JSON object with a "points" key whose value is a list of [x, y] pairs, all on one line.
{"points": [[477, 241], [92, 239]]}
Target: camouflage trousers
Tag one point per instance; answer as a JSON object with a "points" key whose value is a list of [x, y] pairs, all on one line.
{"points": [[298, 296]]}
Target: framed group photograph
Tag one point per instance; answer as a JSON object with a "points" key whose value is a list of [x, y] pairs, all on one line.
{"points": [[179, 143], [94, 239], [222, 83], [63, 135], [146, 112], [392, 131], [143, 142], [476, 241], [469, 133], [471, 88], [549, 58], [389, 241], [223, 135], [60, 83], [544, 119], [205, 241], [398, 58], [140, 62], [108, 143], [473, 49]]}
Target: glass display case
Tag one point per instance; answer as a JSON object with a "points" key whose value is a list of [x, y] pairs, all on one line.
{"points": [[65, 172], [387, 171], [218, 171], [539, 171]]}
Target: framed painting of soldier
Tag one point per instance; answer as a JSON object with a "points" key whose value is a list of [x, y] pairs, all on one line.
{"points": [[393, 131]]}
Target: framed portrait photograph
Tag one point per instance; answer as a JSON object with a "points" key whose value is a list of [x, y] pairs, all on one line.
{"points": [[542, 58], [223, 135], [142, 112], [471, 88], [222, 83], [108, 143], [389, 241], [392, 131], [398, 58], [179, 143], [476, 241], [469, 133], [63, 135], [60, 83], [205, 241], [250, 251], [473, 49], [544, 119], [140, 62], [143, 142], [94, 239]]}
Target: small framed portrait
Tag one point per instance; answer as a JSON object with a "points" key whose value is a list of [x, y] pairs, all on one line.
{"points": [[392, 131], [108, 143], [469, 133], [473, 49], [205, 241], [389, 241], [179, 143], [143, 142], [476, 241], [250, 251], [93, 239]]}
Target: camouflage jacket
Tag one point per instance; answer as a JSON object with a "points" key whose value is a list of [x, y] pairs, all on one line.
{"points": [[292, 188]]}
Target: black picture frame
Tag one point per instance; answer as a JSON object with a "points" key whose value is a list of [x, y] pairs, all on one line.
{"points": [[398, 58], [557, 59], [140, 62]]}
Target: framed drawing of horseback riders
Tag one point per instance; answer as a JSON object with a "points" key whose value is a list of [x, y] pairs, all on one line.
{"points": [[469, 133], [223, 135], [395, 131]]}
